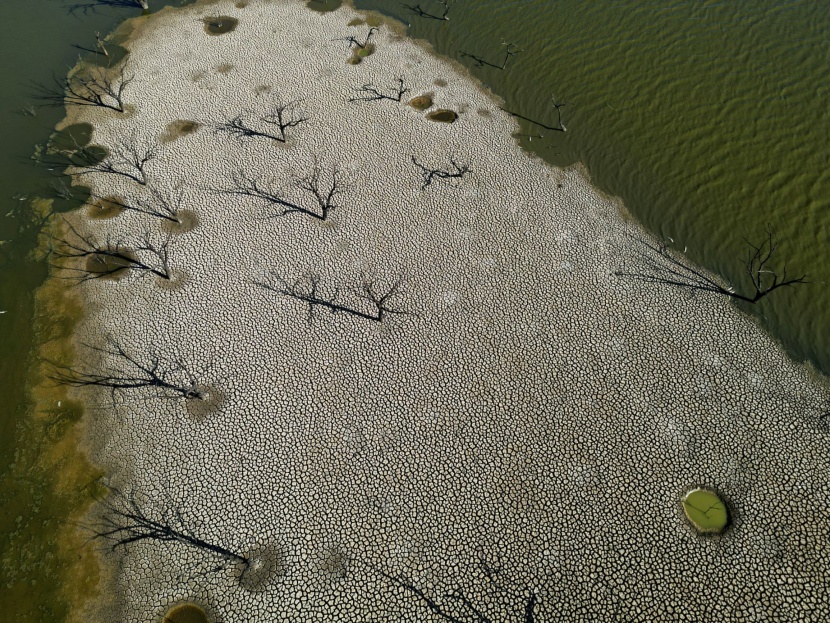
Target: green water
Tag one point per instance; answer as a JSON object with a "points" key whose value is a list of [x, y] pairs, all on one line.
{"points": [[709, 119], [36, 38]]}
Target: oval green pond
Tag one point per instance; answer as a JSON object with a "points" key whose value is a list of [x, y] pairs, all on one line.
{"points": [[443, 115], [421, 102], [185, 613], [706, 511]]}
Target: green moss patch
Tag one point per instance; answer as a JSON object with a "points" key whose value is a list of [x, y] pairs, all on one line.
{"points": [[358, 54], [706, 511], [421, 102], [366, 50], [185, 613], [220, 24], [443, 115]]}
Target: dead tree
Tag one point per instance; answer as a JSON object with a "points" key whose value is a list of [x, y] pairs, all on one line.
{"points": [[324, 193], [457, 606], [665, 266], [127, 518], [428, 175], [509, 52], [169, 378], [369, 93], [128, 159], [246, 186], [94, 86], [372, 302], [282, 116], [443, 16], [107, 259], [559, 127], [558, 107], [353, 42], [157, 205]]}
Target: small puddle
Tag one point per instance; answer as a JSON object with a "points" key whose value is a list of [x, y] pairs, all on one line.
{"points": [[324, 6], [185, 613], [220, 24], [443, 115]]}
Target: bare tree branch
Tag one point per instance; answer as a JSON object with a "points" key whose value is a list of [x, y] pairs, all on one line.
{"points": [[94, 86], [457, 171], [377, 301], [283, 116], [324, 193], [369, 93], [457, 607], [156, 205], [246, 186], [110, 258], [560, 127], [171, 379], [509, 52], [128, 159], [127, 519], [443, 16], [353, 42], [664, 266]]}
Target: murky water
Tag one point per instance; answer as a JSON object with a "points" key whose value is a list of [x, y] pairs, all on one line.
{"points": [[709, 119], [41, 480]]}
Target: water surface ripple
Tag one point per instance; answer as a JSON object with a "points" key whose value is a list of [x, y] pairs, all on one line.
{"points": [[709, 119]]}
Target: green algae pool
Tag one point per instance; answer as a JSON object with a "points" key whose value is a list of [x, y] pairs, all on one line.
{"points": [[706, 511]]}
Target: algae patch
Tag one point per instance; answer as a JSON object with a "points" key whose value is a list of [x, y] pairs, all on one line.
{"points": [[706, 511], [443, 115], [185, 613], [421, 102]]}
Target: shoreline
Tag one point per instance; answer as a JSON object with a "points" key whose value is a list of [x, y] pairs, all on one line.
{"points": [[476, 282]]}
